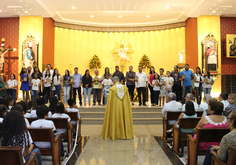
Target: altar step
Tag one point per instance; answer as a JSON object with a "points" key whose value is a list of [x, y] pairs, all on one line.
{"points": [[141, 115]]}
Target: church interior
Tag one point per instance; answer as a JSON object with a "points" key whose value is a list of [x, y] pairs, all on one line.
{"points": [[68, 34]]}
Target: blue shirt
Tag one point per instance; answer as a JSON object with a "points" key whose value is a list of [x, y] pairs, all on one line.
{"points": [[77, 80], [188, 75]]}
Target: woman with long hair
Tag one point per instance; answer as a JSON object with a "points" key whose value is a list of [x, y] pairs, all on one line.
{"points": [[24, 78], [208, 82], [163, 88], [14, 133], [87, 86], [150, 79], [106, 71], [57, 83], [47, 82], [66, 86], [198, 84], [39, 76]]}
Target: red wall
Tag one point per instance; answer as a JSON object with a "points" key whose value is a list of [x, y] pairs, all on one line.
{"points": [[9, 29], [48, 41], [191, 43], [227, 26]]}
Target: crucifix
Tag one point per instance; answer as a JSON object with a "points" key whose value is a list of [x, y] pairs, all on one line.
{"points": [[2, 57], [122, 66]]}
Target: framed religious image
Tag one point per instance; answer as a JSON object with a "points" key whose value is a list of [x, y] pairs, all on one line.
{"points": [[30, 50], [6, 85], [183, 77], [210, 54], [231, 45], [96, 80], [25, 79], [47, 80], [72, 80], [205, 80], [156, 83], [136, 78]]}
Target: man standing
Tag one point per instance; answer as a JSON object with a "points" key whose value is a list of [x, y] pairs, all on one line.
{"points": [[119, 74], [176, 88], [49, 67], [186, 76], [141, 85], [130, 76], [3, 89], [118, 121], [97, 88], [77, 79]]}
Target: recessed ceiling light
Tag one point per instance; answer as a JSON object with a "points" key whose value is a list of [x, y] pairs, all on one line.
{"points": [[210, 8], [215, 4], [25, 5], [144, 2], [148, 16], [91, 16], [30, 9], [15, 9], [22, 9], [18, 12], [206, 11], [104, 3], [34, 11], [217, 9], [213, 11], [220, 11], [73, 7], [167, 7], [120, 15], [26, 11]]}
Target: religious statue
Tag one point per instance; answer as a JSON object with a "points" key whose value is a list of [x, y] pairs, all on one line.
{"points": [[211, 57], [181, 56], [28, 56]]}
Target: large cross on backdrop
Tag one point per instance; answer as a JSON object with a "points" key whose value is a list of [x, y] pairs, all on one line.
{"points": [[3, 57]]}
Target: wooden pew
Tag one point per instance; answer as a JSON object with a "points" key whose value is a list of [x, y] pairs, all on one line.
{"points": [[180, 139], [46, 135], [203, 135], [62, 123], [13, 155], [74, 117], [173, 116], [231, 157]]}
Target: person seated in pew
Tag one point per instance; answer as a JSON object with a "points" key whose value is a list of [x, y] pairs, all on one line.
{"points": [[60, 113], [10, 103], [227, 141], [40, 101], [25, 108], [3, 112], [223, 97], [189, 113], [190, 97], [204, 105], [5, 102], [206, 113], [30, 106], [42, 113], [215, 120], [53, 103], [14, 133], [18, 107], [73, 108], [172, 105], [232, 104]]}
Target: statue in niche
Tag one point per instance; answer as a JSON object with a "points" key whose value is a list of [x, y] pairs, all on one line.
{"points": [[28, 56], [211, 57]]}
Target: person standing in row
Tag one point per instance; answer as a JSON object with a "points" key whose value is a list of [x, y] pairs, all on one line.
{"points": [[119, 74], [163, 88], [107, 71], [150, 79], [156, 88], [141, 85], [130, 76], [198, 85], [3, 89], [47, 83], [57, 83], [97, 88], [176, 88], [106, 83], [24, 78], [36, 85], [169, 82], [66, 86], [186, 76], [208, 82], [39, 76], [77, 80], [12, 84], [87, 86], [49, 68]]}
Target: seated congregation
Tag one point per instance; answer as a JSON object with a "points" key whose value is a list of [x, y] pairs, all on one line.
{"points": [[206, 130], [33, 129]]}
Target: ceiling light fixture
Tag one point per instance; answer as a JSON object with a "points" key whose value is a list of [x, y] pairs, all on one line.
{"points": [[26, 11], [91, 16], [167, 7], [120, 16], [213, 11], [25, 5], [148, 16], [73, 7]]}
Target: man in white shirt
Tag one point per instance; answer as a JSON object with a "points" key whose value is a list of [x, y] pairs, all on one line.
{"points": [[223, 97], [73, 108], [204, 105], [172, 105], [49, 67], [141, 85], [190, 97]]}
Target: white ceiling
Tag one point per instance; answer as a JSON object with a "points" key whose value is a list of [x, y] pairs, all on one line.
{"points": [[107, 12]]}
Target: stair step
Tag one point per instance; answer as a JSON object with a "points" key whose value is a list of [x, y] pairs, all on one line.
{"points": [[99, 109], [135, 114]]}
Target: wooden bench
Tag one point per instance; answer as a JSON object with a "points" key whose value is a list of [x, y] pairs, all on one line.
{"points": [[179, 138], [231, 157], [74, 117], [13, 155], [203, 135], [171, 115], [46, 135]]}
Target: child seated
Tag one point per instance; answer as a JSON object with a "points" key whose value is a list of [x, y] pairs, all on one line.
{"points": [[60, 113], [40, 101], [3, 112], [19, 107], [10, 103], [73, 108]]}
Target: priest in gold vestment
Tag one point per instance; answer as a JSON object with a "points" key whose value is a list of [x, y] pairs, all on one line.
{"points": [[118, 120]]}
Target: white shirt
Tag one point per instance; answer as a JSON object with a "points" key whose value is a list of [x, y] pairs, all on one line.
{"points": [[57, 81], [43, 123], [169, 81], [155, 88], [195, 106], [45, 81], [107, 82], [226, 103], [61, 115], [1, 119], [27, 123], [23, 147], [12, 83], [197, 79], [33, 113], [171, 106], [142, 79], [203, 106], [51, 72], [27, 115], [73, 110], [35, 86], [209, 80]]}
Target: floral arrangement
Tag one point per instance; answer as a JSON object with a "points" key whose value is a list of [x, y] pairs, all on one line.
{"points": [[145, 62], [136, 96], [95, 62]]}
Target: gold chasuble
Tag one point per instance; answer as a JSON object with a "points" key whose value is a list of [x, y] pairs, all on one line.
{"points": [[118, 120]]}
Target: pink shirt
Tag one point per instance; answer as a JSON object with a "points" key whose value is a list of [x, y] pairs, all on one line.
{"points": [[151, 78]]}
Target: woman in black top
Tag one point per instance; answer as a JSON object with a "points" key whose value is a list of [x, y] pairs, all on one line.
{"points": [[87, 86]]}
